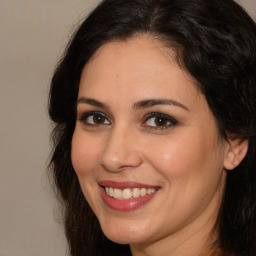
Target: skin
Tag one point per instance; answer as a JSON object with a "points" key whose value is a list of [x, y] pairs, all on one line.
{"points": [[185, 159]]}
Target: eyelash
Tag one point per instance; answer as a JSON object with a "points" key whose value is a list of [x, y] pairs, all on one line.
{"points": [[83, 118], [166, 118], [168, 121]]}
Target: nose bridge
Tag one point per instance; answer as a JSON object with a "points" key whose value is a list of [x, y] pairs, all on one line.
{"points": [[121, 149]]}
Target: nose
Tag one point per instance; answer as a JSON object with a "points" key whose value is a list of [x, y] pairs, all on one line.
{"points": [[121, 151]]}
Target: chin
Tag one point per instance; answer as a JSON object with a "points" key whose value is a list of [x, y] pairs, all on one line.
{"points": [[124, 238], [121, 235]]}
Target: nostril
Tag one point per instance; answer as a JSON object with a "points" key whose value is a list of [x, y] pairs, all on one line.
{"points": [[119, 164]]}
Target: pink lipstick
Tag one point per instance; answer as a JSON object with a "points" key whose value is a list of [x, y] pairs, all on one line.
{"points": [[126, 196]]}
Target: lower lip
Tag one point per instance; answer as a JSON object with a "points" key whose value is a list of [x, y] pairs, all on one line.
{"points": [[127, 204]]}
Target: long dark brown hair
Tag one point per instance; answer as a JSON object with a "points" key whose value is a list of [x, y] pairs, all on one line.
{"points": [[215, 41]]}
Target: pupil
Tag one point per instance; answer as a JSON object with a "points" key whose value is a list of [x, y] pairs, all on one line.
{"points": [[160, 121], [98, 119]]}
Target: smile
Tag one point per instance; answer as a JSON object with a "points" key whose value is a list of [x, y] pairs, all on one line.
{"points": [[126, 196], [128, 193]]}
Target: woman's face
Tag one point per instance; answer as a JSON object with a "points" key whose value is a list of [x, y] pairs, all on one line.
{"points": [[146, 148]]}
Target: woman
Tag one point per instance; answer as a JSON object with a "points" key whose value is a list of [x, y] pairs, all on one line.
{"points": [[154, 143]]}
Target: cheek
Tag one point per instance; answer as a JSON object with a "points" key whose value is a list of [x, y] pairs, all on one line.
{"points": [[83, 153], [187, 155], [192, 170]]}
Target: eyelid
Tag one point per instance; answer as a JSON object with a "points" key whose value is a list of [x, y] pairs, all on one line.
{"points": [[81, 117], [170, 119], [171, 122]]}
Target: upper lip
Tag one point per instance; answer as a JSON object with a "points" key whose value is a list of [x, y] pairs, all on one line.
{"points": [[124, 184]]}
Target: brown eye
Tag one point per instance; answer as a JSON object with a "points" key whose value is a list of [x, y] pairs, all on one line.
{"points": [[94, 119], [159, 121], [99, 119]]}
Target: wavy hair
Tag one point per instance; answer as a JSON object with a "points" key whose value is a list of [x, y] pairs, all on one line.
{"points": [[215, 42]]}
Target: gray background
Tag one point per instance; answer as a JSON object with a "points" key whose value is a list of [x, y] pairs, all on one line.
{"points": [[33, 34]]}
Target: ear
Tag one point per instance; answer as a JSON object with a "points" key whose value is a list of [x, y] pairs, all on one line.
{"points": [[235, 152]]}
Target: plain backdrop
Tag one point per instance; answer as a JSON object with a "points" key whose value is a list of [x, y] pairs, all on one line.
{"points": [[33, 34]]}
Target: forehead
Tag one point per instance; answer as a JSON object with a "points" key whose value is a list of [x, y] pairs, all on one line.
{"points": [[140, 66], [137, 55], [139, 46]]}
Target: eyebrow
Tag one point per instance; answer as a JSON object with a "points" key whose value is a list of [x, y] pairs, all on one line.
{"points": [[138, 105], [92, 102], [153, 102]]}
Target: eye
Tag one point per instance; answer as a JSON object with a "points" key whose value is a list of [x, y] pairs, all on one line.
{"points": [[94, 119], [159, 121]]}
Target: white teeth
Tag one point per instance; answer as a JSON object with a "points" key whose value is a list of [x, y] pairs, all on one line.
{"points": [[143, 191], [151, 190], [128, 193], [111, 192], [136, 192], [117, 193]]}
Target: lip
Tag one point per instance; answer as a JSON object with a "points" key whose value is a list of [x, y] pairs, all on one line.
{"points": [[126, 204], [123, 185]]}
